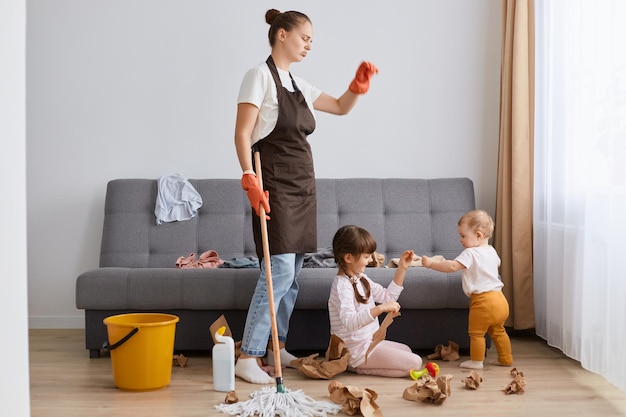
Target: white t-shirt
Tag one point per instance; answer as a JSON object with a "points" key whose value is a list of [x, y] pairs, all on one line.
{"points": [[258, 88], [481, 270]]}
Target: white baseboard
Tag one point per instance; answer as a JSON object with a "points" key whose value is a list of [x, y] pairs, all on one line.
{"points": [[56, 322]]}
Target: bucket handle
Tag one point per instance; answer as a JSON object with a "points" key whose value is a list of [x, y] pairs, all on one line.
{"points": [[107, 348]]}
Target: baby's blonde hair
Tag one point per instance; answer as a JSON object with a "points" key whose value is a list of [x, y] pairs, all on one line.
{"points": [[478, 221]]}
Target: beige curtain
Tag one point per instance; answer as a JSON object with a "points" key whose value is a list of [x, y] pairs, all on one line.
{"points": [[514, 198]]}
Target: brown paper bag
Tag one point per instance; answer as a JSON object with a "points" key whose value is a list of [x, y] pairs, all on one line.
{"points": [[380, 334], [221, 321]]}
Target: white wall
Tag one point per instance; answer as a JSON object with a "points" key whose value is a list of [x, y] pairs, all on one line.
{"points": [[14, 385], [144, 88]]}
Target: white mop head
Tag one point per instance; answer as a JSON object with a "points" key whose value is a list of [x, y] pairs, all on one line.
{"points": [[266, 402]]}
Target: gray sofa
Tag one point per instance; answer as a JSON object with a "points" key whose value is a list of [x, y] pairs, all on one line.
{"points": [[137, 271]]}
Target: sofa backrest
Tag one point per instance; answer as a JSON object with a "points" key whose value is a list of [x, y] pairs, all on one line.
{"points": [[418, 214]]}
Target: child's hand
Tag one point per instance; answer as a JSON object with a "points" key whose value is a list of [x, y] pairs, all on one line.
{"points": [[426, 261], [405, 259], [390, 307]]}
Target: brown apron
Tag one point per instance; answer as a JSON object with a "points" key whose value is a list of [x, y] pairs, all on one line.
{"points": [[288, 175]]}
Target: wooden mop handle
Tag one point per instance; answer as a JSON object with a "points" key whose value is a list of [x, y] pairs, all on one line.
{"points": [[268, 276]]}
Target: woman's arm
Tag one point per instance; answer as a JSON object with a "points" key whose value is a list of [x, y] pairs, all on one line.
{"points": [[338, 106], [247, 114], [359, 85]]}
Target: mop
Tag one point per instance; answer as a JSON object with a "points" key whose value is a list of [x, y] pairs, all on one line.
{"points": [[282, 402]]}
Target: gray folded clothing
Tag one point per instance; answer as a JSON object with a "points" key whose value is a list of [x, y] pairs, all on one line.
{"points": [[248, 262], [323, 258]]}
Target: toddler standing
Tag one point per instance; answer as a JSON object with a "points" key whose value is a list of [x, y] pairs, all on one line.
{"points": [[489, 309]]}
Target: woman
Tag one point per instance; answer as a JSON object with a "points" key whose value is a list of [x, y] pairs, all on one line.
{"points": [[275, 116]]}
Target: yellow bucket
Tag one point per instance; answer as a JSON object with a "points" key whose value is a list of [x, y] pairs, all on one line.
{"points": [[142, 349]]}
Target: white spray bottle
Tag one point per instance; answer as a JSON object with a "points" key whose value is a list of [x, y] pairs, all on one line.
{"points": [[223, 356]]}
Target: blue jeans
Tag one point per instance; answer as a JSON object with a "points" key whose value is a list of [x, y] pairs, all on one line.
{"points": [[285, 269]]}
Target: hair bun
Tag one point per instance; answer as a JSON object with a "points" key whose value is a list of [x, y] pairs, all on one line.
{"points": [[270, 15]]}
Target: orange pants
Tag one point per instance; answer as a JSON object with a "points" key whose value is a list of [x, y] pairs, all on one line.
{"points": [[487, 313]]}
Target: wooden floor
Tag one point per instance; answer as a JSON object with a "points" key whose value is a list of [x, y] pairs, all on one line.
{"points": [[64, 382]]}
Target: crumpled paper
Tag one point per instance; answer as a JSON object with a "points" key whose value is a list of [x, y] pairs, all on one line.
{"points": [[179, 360], [518, 383], [446, 353], [427, 389], [417, 261], [378, 260], [231, 397], [335, 361], [380, 334], [473, 380], [355, 400]]}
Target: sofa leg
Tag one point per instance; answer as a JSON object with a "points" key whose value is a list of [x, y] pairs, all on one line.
{"points": [[94, 353]]}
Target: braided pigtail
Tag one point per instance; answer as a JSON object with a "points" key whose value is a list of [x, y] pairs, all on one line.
{"points": [[366, 286], [355, 241]]}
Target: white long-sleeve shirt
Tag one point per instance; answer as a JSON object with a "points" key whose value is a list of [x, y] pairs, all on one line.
{"points": [[351, 320]]}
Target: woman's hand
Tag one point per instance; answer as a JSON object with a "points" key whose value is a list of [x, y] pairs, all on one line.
{"points": [[258, 198], [361, 82]]}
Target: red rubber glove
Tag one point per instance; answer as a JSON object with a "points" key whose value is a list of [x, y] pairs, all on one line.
{"points": [[364, 74], [250, 183]]}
